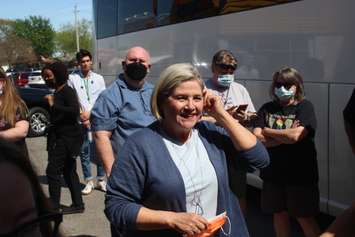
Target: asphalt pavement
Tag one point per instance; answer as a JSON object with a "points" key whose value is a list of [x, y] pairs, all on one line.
{"points": [[90, 223], [94, 223]]}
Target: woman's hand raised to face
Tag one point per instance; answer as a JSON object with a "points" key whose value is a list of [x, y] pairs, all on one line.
{"points": [[213, 104]]}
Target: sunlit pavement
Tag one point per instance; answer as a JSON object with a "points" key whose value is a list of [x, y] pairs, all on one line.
{"points": [[90, 223], [94, 223]]}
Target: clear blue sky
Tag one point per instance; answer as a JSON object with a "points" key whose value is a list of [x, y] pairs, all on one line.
{"points": [[59, 12]]}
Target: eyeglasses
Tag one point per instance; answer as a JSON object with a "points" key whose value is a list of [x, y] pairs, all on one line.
{"points": [[227, 67], [45, 225], [286, 85]]}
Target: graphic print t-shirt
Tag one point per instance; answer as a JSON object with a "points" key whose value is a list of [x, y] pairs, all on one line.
{"points": [[294, 164]]}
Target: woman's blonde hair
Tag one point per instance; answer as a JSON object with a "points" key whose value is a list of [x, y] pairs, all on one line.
{"points": [[169, 79], [288, 76], [11, 102]]}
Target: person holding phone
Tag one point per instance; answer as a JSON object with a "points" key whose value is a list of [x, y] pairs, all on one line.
{"points": [[235, 96], [237, 102]]}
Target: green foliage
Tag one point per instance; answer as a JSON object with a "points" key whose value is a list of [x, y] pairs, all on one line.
{"points": [[66, 38], [14, 49], [39, 32]]}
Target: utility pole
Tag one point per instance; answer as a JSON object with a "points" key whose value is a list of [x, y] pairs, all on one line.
{"points": [[76, 28]]}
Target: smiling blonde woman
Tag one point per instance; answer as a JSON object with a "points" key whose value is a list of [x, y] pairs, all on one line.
{"points": [[171, 177]]}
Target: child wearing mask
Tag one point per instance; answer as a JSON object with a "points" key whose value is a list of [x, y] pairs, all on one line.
{"points": [[287, 126]]}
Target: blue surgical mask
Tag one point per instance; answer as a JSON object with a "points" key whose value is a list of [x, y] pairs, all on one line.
{"points": [[283, 94], [225, 80]]}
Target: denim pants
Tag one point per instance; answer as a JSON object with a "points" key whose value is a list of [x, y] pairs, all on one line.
{"points": [[88, 154]]}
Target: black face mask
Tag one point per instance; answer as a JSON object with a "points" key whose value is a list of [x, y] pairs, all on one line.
{"points": [[50, 83], [136, 71]]}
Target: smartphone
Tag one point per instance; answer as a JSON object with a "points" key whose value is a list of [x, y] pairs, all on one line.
{"points": [[241, 108]]}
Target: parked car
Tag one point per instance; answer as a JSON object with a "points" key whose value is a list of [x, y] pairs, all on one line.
{"points": [[38, 109], [20, 78], [35, 78]]}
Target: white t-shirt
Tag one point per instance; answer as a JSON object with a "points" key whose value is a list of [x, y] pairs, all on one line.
{"points": [[198, 174], [236, 94]]}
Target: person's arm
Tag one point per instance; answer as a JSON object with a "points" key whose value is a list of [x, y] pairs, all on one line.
{"points": [[260, 123], [103, 121], [267, 141], [244, 116], [183, 222], [71, 107], [104, 149], [16, 133], [286, 136], [249, 149], [46, 60], [241, 137], [304, 125]]}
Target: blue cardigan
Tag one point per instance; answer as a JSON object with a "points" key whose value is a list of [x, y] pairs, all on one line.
{"points": [[145, 175]]}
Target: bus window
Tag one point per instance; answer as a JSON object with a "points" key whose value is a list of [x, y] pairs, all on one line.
{"points": [[115, 17], [185, 10], [242, 5], [106, 18], [163, 12], [135, 15]]}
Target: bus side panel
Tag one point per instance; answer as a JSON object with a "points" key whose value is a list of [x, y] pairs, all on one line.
{"points": [[319, 95], [108, 61]]}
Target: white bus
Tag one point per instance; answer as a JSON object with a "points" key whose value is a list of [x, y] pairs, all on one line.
{"points": [[316, 37]]}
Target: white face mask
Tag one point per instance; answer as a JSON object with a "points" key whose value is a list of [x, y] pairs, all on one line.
{"points": [[225, 80]]}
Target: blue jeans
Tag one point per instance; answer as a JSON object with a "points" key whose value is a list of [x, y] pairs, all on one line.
{"points": [[88, 154]]}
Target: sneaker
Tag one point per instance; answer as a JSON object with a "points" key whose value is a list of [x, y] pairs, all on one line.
{"points": [[66, 210], [88, 188], [101, 185]]}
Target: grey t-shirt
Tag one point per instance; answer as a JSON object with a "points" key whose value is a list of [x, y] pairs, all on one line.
{"points": [[197, 171]]}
